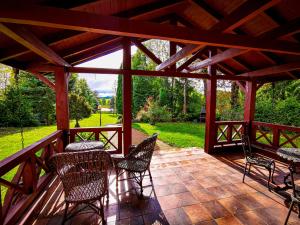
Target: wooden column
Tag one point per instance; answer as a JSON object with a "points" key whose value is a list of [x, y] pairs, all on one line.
{"points": [[127, 96], [249, 107], [62, 105], [210, 121]]}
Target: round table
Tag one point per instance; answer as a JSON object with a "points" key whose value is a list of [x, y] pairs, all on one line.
{"points": [[293, 155], [84, 145]]}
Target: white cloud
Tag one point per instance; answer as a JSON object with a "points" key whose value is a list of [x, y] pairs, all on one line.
{"points": [[104, 83]]}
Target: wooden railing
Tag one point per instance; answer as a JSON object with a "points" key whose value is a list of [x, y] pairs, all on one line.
{"points": [[270, 136], [229, 132], [111, 136], [24, 175]]}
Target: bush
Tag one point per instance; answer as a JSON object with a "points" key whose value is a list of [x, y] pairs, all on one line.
{"points": [[152, 112]]}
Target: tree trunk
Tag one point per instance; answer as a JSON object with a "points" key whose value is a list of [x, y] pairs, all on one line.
{"points": [[77, 123], [234, 95], [185, 84]]}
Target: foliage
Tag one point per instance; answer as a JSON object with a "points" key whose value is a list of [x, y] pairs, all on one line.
{"points": [[79, 108], [152, 112], [279, 103], [119, 101]]}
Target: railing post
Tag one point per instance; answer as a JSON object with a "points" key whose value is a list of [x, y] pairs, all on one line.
{"points": [[276, 137], [119, 140], [62, 105], [210, 120], [229, 133]]}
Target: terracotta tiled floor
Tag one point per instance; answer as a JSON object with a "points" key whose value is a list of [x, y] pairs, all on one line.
{"points": [[190, 187]]}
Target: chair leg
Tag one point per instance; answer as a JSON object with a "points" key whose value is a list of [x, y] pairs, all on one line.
{"points": [[141, 184], [249, 168], [269, 179], [150, 175], [102, 212], [273, 173], [65, 213], [245, 171], [289, 213], [117, 179]]}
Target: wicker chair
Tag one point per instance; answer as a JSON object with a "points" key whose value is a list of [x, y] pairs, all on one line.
{"points": [[295, 196], [137, 162], [84, 177], [251, 159]]}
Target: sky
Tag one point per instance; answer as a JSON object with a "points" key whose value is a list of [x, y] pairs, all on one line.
{"points": [[104, 83]]}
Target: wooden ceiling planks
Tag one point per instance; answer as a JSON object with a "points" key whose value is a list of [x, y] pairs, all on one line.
{"points": [[259, 24]]}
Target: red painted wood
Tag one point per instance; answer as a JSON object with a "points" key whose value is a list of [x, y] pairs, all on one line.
{"points": [[44, 79], [147, 52], [30, 41], [127, 97], [167, 73], [211, 95], [272, 70], [62, 105], [82, 21], [250, 96]]}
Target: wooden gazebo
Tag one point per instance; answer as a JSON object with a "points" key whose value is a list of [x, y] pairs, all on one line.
{"points": [[250, 42]]}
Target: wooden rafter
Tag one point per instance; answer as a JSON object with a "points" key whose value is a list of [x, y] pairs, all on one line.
{"points": [[241, 85], [229, 53], [82, 21], [166, 73], [190, 60], [145, 50], [241, 15], [30, 41], [184, 52], [272, 70], [44, 79]]}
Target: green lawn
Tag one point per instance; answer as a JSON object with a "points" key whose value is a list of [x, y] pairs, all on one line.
{"points": [[10, 139], [176, 134]]}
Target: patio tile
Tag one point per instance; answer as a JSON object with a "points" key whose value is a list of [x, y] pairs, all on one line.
{"points": [[233, 205], [250, 218], [177, 217], [218, 192], [203, 195], [197, 213], [249, 201], [228, 220], [216, 209]]}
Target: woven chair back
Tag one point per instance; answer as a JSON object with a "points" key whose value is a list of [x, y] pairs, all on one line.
{"points": [[79, 169]]}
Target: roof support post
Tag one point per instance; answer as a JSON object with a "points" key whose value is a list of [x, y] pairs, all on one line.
{"points": [[62, 106], [249, 107], [211, 97], [127, 96]]}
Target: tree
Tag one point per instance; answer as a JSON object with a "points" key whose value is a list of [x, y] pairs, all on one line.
{"points": [[79, 108], [119, 100]]}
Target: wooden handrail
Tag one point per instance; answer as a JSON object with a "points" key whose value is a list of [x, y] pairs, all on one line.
{"points": [[97, 133], [27, 182], [278, 126], [12, 161]]}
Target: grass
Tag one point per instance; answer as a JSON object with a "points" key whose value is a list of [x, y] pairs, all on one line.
{"points": [[180, 134], [10, 139]]}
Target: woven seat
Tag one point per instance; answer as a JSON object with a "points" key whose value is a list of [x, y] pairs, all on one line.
{"points": [[137, 162], [84, 176], [251, 159]]}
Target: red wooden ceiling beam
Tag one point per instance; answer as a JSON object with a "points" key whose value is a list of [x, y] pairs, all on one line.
{"points": [[150, 73], [227, 54], [44, 79], [272, 70], [82, 21], [145, 50], [241, 15], [186, 51], [190, 60], [30, 41]]}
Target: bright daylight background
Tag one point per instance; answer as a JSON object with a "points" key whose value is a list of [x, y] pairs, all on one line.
{"points": [[104, 84]]}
